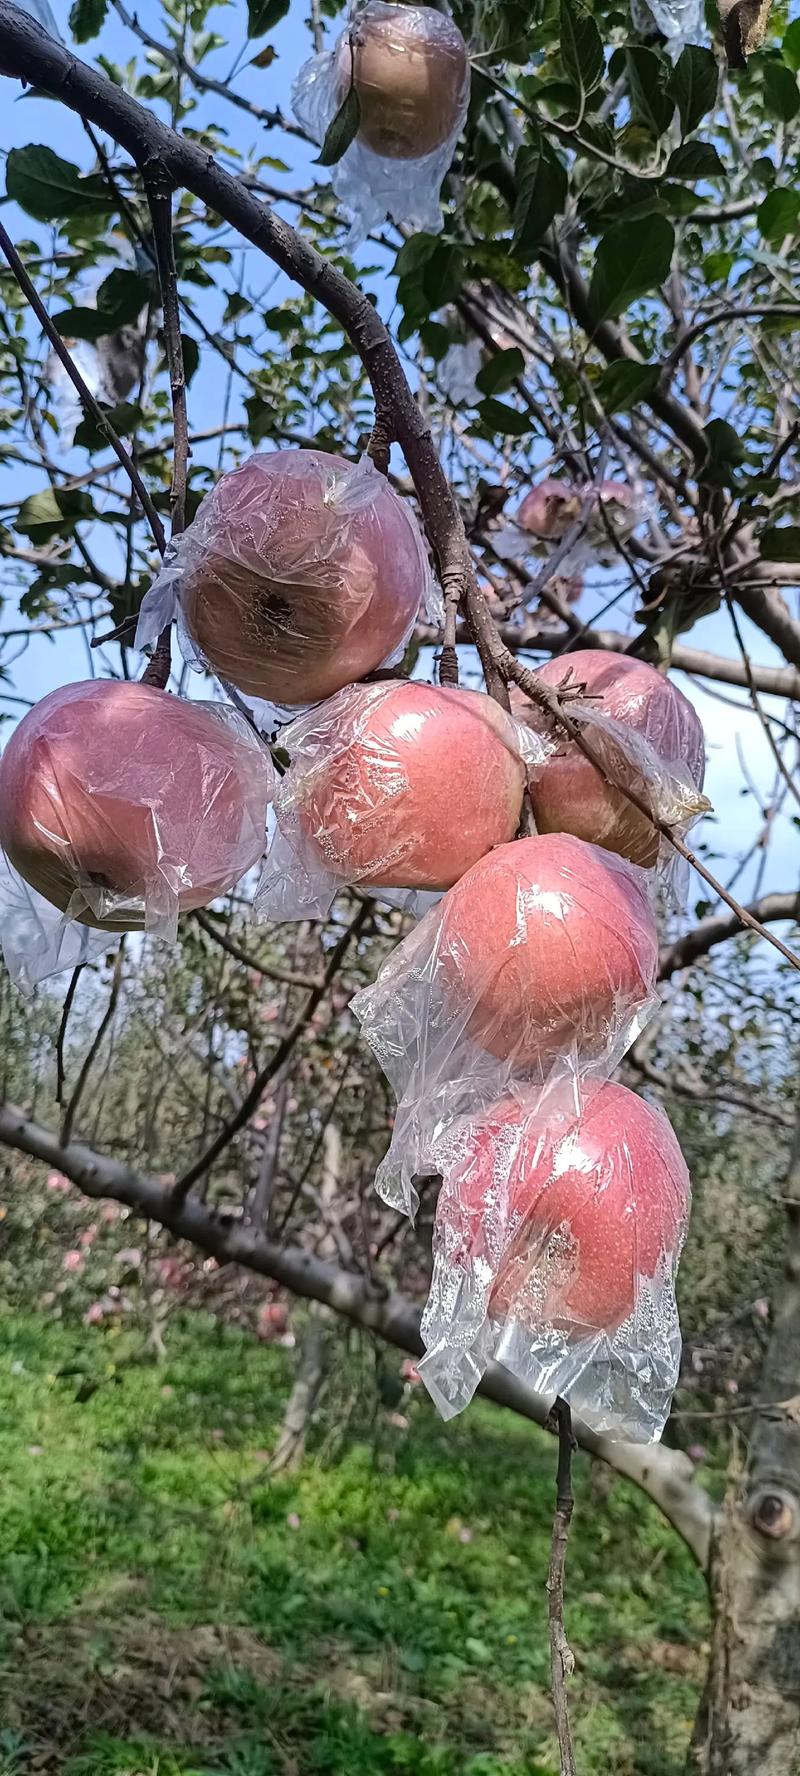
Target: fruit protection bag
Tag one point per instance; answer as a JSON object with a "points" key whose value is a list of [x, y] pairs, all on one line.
{"points": [[558, 1229], [398, 785], [123, 806], [407, 72], [538, 968], [300, 573]]}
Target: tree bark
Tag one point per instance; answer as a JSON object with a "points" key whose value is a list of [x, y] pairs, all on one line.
{"points": [[290, 1447], [749, 1723]]}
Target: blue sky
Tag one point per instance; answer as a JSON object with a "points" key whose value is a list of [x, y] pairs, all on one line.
{"points": [[732, 732]]}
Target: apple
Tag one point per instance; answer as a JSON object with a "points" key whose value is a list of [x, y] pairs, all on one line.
{"points": [[410, 69], [549, 509], [547, 945], [405, 785], [116, 798], [568, 794], [302, 572], [566, 1208]]}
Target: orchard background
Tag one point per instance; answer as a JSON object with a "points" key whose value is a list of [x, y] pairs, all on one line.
{"points": [[235, 1538]]}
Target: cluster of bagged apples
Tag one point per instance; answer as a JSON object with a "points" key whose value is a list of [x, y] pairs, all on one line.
{"points": [[500, 1018]]}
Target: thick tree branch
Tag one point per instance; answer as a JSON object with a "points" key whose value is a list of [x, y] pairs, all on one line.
{"points": [[664, 1474], [720, 928]]}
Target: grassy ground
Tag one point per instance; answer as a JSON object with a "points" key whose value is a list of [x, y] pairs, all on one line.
{"points": [[168, 1609]]}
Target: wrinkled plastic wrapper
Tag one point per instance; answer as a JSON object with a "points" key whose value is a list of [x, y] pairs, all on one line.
{"points": [[653, 744], [123, 807], [608, 513], [679, 21], [393, 786], [538, 968], [558, 1231], [457, 373], [37, 940], [412, 77], [301, 572]]}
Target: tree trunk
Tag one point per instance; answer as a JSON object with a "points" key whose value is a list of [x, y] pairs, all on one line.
{"points": [[290, 1447], [749, 1723]]}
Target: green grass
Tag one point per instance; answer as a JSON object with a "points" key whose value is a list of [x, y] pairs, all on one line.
{"points": [[163, 1613]]}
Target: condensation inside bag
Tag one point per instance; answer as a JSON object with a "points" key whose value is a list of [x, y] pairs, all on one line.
{"points": [[558, 1231], [123, 807], [412, 77], [398, 786], [539, 966], [300, 573]]}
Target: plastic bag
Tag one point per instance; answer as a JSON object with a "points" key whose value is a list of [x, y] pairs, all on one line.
{"points": [[679, 21], [394, 785], [300, 573], [410, 69], [124, 806], [37, 941], [607, 511], [557, 1237], [539, 966], [648, 735]]}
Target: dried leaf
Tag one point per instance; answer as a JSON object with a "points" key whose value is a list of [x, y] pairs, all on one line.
{"points": [[744, 24]]}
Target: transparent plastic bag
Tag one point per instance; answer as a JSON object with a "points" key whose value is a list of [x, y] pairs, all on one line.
{"points": [[37, 941], [399, 785], [410, 68], [649, 737], [124, 806], [608, 512], [539, 966], [300, 573], [679, 21], [559, 1226], [457, 372]]}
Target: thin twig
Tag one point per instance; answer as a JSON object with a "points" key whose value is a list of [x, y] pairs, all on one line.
{"points": [[72, 1107], [284, 976], [279, 1055], [85, 395], [159, 197], [562, 1661], [62, 1033]]}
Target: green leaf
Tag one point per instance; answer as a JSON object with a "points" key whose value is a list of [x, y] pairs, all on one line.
{"points": [[341, 131], [622, 384], [191, 356], [261, 418], [781, 95], [724, 442], [262, 15], [632, 258], [415, 253], [51, 189], [500, 371], [581, 47], [781, 543], [777, 216], [542, 186], [120, 300], [693, 85], [497, 417], [86, 18], [90, 436], [790, 47], [695, 160], [52, 512], [647, 80]]}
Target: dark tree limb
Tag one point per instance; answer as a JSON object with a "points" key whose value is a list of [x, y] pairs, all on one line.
{"points": [[720, 927], [562, 1659]]}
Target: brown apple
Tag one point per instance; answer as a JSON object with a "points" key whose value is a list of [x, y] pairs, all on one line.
{"points": [[410, 69]]}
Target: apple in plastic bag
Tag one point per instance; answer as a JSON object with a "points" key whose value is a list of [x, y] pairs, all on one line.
{"points": [[545, 947], [302, 572], [408, 784], [123, 800], [410, 68], [568, 794], [567, 1210]]}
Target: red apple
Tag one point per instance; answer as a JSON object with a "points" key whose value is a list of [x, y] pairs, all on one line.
{"points": [[568, 794], [547, 944], [406, 785], [302, 572], [116, 796], [410, 68], [550, 508], [565, 1210]]}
